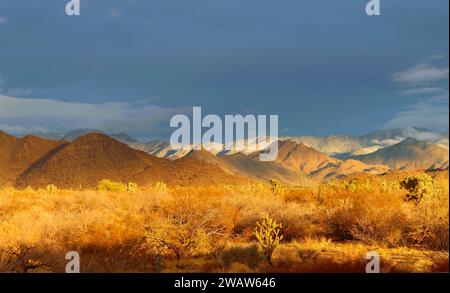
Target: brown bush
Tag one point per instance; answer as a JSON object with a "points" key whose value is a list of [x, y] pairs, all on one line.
{"points": [[243, 254], [187, 225]]}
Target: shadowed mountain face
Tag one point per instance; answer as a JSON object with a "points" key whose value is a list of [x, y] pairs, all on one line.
{"points": [[409, 154], [18, 154], [84, 162], [242, 165], [94, 157]]}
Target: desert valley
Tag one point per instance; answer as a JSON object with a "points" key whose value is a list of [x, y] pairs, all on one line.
{"points": [[131, 206]]}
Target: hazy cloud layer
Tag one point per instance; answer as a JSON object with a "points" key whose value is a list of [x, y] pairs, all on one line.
{"points": [[3, 19], [422, 73], [427, 84], [432, 114], [20, 116], [423, 91]]}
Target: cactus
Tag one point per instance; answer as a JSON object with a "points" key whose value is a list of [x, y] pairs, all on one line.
{"points": [[269, 236]]}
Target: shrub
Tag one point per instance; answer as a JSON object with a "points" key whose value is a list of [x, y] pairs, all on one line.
{"points": [[186, 226], [20, 259], [433, 234], [30, 190], [298, 195], [373, 219], [160, 186], [269, 236], [243, 254], [417, 187], [277, 187], [51, 188], [108, 185], [429, 224], [132, 187]]}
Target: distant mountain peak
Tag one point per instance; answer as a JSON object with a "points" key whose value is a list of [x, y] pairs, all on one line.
{"points": [[124, 137], [94, 136], [410, 153], [409, 141], [76, 133]]}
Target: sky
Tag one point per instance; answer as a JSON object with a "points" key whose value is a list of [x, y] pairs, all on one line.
{"points": [[323, 66]]}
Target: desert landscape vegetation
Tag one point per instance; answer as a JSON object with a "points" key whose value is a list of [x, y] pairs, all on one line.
{"points": [[122, 122], [127, 206]]}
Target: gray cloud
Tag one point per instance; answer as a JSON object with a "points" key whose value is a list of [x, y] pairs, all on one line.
{"points": [[21, 115], [432, 113], [422, 73], [423, 91], [3, 19]]}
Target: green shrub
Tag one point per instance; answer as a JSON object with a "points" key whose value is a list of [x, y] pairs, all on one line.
{"points": [[108, 185]]}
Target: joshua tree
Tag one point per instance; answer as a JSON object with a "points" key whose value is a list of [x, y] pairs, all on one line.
{"points": [[417, 187]]}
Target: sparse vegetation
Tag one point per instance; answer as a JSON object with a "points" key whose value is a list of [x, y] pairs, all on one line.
{"points": [[126, 228], [109, 185]]}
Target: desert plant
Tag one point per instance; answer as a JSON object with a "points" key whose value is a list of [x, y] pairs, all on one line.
{"points": [[51, 188], [132, 187], [186, 227], [161, 186], [268, 233], [277, 187], [243, 254], [20, 259], [30, 190], [417, 187], [109, 185]]}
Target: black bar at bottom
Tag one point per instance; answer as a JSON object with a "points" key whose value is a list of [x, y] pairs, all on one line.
{"points": [[222, 282]]}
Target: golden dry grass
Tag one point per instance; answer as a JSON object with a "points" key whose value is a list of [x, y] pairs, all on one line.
{"points": [[211, 229]]}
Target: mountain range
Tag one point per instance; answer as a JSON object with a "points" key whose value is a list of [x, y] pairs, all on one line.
{"points": [[340, 146], [82, 157], [36, 162], [408, 154]]}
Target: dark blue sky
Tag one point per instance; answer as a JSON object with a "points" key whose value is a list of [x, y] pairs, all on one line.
{"points": [[323, 65]]}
